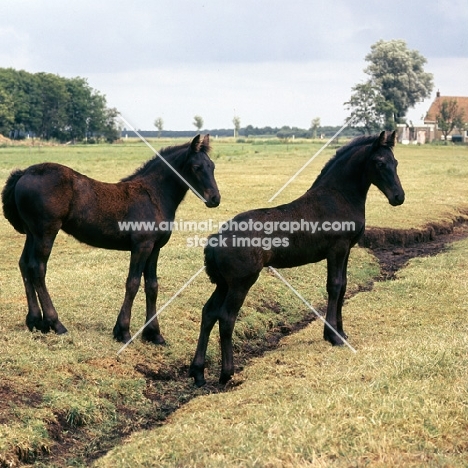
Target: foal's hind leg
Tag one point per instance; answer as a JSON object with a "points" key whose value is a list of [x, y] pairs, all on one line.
{"points": [[152, 331], [37, 268], [34, 315], [210, 315]]}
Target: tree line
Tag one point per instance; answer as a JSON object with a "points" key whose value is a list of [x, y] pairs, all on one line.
{"points": [[316, 130], [48, 106], [249, 131]]}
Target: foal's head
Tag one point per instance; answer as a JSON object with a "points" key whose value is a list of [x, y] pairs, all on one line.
{"points": [[199, 171], [382, 168]]}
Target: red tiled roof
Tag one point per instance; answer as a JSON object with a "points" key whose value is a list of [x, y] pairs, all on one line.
{"points": [[434, 109]]}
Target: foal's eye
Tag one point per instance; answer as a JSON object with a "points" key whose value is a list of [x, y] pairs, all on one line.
{"points": [[380, 165], [196, 168]]}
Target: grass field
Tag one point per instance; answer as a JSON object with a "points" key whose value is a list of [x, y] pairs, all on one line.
{"points": [[401, 400], [66, 400]]}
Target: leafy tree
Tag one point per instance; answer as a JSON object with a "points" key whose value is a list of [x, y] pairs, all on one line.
{"points": [[159, 124], [7, 115], [398, 73], [397, 82], [101, 121], [369, 110], [249, 130], [198, 122], [236, 121], [28, 113], [314, 126], [449, 116], [54, 101], [79, 108], [23, 90], [110, 130]]}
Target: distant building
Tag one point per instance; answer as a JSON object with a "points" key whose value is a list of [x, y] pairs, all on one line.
{"points": [[430, 120], [408, 134]]}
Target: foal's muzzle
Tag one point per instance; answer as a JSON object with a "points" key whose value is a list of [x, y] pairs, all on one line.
{"points": [[212, 200], [397, 198]]}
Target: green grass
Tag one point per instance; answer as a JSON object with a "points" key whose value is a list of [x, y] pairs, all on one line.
{"points": [[401, 400], [70, 399]]}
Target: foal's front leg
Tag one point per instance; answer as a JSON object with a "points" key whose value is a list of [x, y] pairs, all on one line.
{"points": [[339, 306], [152, 331], [227, 318], [210, 315], [336, 287], [137, 263]]}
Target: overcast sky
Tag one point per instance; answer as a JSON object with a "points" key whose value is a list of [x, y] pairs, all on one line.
{"points": [[269, 62]]}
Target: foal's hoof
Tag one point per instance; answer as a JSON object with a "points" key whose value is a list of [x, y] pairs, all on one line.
{"points": [[153, 337], [334, 339], [224, 378], [45, 327], [61, 330], [198, 376], [121, 336], [33, 323]]}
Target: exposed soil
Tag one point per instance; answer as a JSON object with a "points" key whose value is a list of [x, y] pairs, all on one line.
{"points": [[169, 388], [11, 397], [397, 251]]}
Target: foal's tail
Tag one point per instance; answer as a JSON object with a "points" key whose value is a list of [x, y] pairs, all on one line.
{"points": [[10, 210], [212, 269]]}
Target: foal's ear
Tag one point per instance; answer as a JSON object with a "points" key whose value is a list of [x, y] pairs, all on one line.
{"points": [[382, 138], [196, 144], [379, 141], [392, 139], [205, 146]]}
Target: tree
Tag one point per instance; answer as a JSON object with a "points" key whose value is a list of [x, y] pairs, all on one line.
{"points": [[159, 124], [80, 103], [369, 110], [236, 121], [198, 122], [7, 115], [249, 130], [54, 101], [397, 82], [110, 129], [314, 125], [449, 116], [23, 89], [398, 73]]}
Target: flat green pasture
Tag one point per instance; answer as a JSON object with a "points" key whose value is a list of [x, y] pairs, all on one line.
{"points": [[66, 400]]}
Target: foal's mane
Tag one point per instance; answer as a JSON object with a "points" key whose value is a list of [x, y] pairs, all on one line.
{"points": [[170, 154], [344, 152]]}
